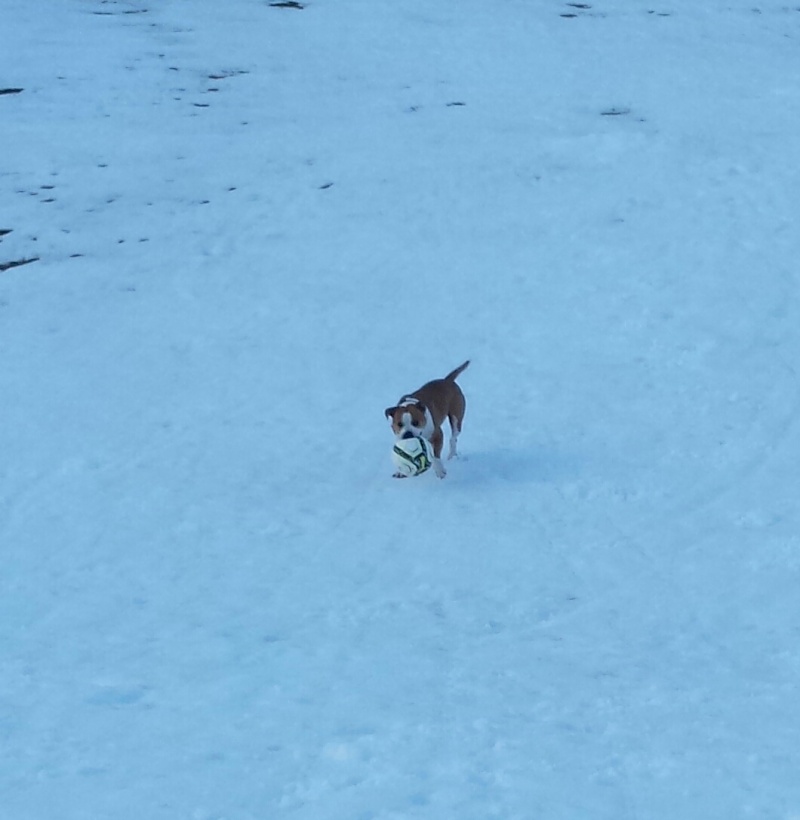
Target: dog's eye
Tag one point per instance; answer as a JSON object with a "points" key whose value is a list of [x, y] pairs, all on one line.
{"points": [[416, 423]]}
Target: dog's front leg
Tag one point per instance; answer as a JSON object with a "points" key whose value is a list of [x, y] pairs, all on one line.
{"points": [[437, 440]]}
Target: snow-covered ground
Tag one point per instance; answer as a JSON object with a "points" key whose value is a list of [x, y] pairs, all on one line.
{"points": [[255, 227]]}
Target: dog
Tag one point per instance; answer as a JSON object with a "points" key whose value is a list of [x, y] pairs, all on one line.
{"points": [[423, 412]]}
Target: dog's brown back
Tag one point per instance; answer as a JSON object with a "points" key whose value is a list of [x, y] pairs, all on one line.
{"points": [[444, 398]]}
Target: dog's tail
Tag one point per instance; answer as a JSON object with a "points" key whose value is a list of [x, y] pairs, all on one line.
{"points": [[451, 377]]}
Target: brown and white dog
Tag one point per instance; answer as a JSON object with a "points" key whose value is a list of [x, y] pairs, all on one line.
{"points": [[422, 413]]}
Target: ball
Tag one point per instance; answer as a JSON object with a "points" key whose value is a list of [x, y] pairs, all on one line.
{"points": [[412, 456]]}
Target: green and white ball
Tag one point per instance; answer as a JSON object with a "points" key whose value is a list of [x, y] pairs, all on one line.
{"points": [[412, 456]]}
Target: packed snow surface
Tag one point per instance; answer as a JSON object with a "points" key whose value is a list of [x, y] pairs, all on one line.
{"points": [[233, 233]]}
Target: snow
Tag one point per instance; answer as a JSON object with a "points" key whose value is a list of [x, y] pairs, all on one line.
{"points": [[257, 227]]}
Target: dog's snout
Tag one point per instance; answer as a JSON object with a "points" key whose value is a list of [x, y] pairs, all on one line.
{"points": [[408, 434]]}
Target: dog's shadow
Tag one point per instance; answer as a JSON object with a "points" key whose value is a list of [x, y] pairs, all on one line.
{"points": [[527, 465]]}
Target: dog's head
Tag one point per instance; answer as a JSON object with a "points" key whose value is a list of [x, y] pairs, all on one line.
{"points": [[407, 419]]}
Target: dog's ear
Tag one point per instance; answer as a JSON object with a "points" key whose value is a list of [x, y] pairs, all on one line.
{"points": [[389, 412], [422, 409]]}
